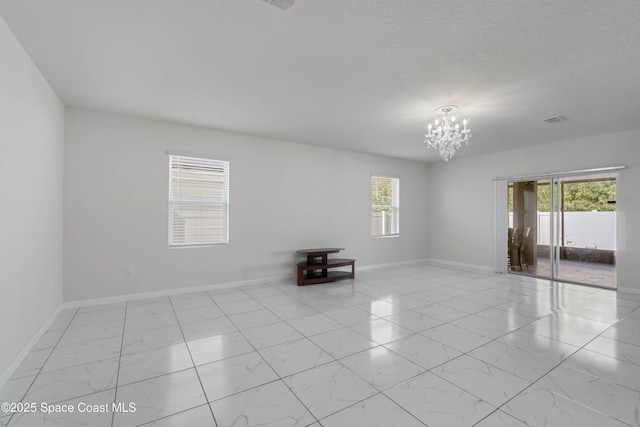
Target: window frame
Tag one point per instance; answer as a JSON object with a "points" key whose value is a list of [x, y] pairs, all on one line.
{"points": [[213, 163], [395, 205]]}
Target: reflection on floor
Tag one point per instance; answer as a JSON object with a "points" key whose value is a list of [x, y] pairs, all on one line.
{"points": [[603, 275], [408, 346]]}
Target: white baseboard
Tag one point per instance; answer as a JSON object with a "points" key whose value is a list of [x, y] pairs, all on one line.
{"points": [[387, 265], [17, 361], [447, 263], [634, 291], [168, 292]]}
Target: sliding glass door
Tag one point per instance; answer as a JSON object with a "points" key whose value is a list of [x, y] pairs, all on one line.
{"points": [[564, 228]]}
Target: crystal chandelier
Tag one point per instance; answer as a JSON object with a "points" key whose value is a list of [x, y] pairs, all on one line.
{"points": [[445, 134]]}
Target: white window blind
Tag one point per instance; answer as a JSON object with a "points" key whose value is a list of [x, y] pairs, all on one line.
{"points": [[198, 201], [385, 206]]}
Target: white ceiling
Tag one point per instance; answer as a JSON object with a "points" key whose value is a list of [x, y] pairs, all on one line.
{"points": [[362, 75]]}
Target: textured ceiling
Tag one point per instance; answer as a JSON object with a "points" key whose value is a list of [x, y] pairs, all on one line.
{"points": [[362, 75]]}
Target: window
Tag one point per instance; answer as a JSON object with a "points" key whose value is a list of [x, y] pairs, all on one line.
{"points": [[198, 201], [385, 206]]}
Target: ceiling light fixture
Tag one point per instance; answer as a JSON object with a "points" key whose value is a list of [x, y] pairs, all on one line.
{"points": [[445, 134], [282, 4]]}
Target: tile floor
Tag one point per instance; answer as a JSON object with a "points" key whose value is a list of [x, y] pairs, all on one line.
{"points": [[409, 346]]}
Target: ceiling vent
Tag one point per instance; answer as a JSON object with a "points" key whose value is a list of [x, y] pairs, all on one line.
{"points": [[282, 4], [555, 119]]}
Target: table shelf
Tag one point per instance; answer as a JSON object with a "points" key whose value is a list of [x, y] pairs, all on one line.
{"points": [[317, 267]]}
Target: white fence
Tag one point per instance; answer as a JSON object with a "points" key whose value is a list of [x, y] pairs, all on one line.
{"points": [[581, 229]]}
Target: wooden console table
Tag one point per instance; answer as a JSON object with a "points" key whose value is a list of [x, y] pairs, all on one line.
{"points": [[316, 268]]}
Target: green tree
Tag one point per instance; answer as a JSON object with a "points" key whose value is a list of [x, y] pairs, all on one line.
{"points": [[582, 196]]}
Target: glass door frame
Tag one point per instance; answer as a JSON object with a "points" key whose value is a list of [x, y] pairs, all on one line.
{"points": [[555, 222]]}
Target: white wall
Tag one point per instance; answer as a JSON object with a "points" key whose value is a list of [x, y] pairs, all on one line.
{"points": [[284, 196], [31, 155], [461, 196]]}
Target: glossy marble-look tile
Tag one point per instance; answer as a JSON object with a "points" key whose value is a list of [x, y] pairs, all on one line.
{"points": [[538, 344], [237, 307], [342, 342], [491, 384], [149, 310], [617, 349], [351, 316], [381, 308], [253, 319], [575, 322], [75, 334], [356, 298], [502, 419], [377, 411], [68, 383], [150, 322], [270, 335], [540, 407], [199, 314], [512, 319], [80, 353], [63, 320], [79, 417], [526, 364], [329, 388], [15, 389], [196, 417], [466, 305], [292, 311], [180, 303], [218, 347], [414, 321], [207, 328], [33, 363], [326, 304], [235, 374], [438, 403], [159, 397], [407, 302], [273, 301], [603, 396], [271, 404], [483, 326], [381, 331], [605, 367], [260, 291], [452, 336], [153, 363], [92, 317], [135, 342], [441, 312], [625, 331], [381, 367], [565, 334], [228, 295], [423, 351], [295, 356], [49, 339], [314, 324], [526, 308]]}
